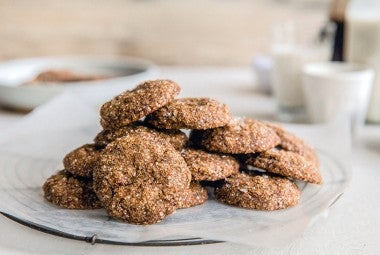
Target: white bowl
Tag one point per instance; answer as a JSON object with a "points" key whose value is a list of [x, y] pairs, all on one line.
{"points": [[124, 73]]}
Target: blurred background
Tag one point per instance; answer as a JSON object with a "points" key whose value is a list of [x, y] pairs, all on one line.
{"points": [[193, 32]]}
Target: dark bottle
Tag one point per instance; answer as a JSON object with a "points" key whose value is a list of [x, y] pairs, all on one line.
{"points": [[337, 17]]}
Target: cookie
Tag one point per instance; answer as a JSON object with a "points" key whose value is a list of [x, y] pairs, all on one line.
{"points": [[190, 113], [291, 142], [140, 177], [67, 191], [141, 203], [288, 164], [259, 192], [175, 137], [64, 76], [81, 161], [238, 137], [193, 196], [205, 166], [132, 105]]}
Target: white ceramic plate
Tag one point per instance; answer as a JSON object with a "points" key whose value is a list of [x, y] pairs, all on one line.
{"points": [[125, 73]]}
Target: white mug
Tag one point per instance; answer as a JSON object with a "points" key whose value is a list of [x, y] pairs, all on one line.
{"points": [[336, 89]]}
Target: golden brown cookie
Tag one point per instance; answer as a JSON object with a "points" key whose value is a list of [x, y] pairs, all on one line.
{"points": [[82, 160], [258, 192], [238, 137], [291, 142], [194, 195], [140, 178], [205, 166], [132, 105], [175, 137], [190, 113], [288, 164], [67, 191]]}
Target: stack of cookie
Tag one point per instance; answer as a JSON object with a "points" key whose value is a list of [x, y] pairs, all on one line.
{"points": [[142, 166]]}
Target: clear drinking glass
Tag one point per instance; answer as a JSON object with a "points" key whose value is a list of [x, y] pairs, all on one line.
{"points": [[289, 58], [338, 90]]}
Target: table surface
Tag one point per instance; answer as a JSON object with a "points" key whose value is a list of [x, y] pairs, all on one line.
{"points": [[352, 225]]}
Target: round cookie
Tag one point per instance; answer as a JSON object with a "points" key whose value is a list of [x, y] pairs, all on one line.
{"points": [[288, 164], [193, 196], [190, 113], [142, 203], [132, 105], [140, 177], [70, 192], [258, 192], [205, 166], [240, 136], [291, 142], [82, 160], [175, 137]]}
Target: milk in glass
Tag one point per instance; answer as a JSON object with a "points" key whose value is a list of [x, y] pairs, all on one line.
{"points": [[289, 58], [363, 45]]}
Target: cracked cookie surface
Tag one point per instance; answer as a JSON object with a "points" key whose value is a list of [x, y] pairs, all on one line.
{"points": [[291, 142], [67, 191], [140, 178], [206, 166], [177, 138], [135, 104], [288, 164], [259, 192], [82, 160], [193, 196], [190, 113], [240, 136]]}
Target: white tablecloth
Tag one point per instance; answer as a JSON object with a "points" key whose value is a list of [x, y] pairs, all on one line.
{"points": [[352, 225]]}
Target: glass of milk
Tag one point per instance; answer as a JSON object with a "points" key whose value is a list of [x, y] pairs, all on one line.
{"points": [[337, 90], [363, 45], [288, 61]]}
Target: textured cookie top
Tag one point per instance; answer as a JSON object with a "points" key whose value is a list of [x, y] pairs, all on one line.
{"points": [[81, 161], [134, 104], [194, 195], [142, 203], [175, 137], [190, 113], [287, 163], [258, 192], [67, 191], [205, 166], [141, 170], [135, 163], [238, 137], [291, 142]]}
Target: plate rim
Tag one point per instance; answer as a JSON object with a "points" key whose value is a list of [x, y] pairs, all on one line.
{"points": [[188, 241]]}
